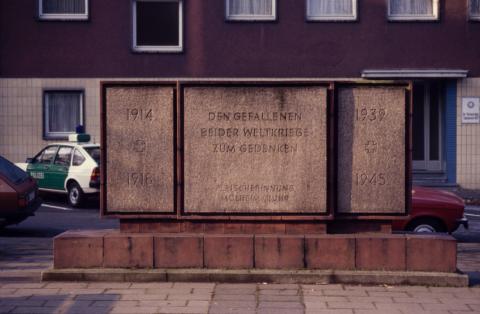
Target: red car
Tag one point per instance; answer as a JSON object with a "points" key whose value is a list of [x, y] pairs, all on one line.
{"points": [[18, 194], [433, 211]]}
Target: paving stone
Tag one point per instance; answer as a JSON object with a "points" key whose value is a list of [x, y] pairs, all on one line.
{"points": [[351, 305], [280, 305], [279, 297], [329, 311], [279, 287], [98, 297], [161, 303], [231, 310], [315, 305], [345, 293], [113, 303], [198, 297], [152, 285], [404, 307], [446, 307], [390, 294], [134, 309], [125, 291], [280, 311], [184, 309], [82, 291], [415, 300], [143, 297], [32, 310], [325, 298], [233, 304], [237, 297], [36, 291], [279, 292], [6, 309], [110, 285]]}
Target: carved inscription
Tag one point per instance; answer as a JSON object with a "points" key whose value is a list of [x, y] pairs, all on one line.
{"points": [[255, 150], [139, 127], [371, 150]]}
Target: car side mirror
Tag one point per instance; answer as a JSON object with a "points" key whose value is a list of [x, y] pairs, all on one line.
{"points": [[29, 160]]}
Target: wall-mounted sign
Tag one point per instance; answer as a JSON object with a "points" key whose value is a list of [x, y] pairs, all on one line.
{"points": [[470, 110]]}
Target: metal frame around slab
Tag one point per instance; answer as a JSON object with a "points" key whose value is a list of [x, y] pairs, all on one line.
{"points": [[331, 138], [103, 145]]}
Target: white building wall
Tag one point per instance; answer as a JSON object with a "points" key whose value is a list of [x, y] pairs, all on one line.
{"points": [[21, 120], [468, 138]]}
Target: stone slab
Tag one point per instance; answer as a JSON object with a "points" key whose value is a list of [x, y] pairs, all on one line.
{"points": [[139, 149], [279, 252], [128, 251], [262, 275], [229, 251], [330, 252], [179, 251], [431, 253], [255, 149], [78, 249], [380, 252], [371, 150]]}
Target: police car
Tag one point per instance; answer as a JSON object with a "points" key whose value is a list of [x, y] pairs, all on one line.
{"points": [[72, 168]]}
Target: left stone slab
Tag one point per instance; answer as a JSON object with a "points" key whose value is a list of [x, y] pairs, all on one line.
{"points": [[139, 149]]}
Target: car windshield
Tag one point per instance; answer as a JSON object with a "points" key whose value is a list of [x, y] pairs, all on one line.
{"points": [[94, 152], [12, 172]]}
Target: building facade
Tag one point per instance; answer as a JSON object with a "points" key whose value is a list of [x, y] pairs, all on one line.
{"points": [[55, 53]]}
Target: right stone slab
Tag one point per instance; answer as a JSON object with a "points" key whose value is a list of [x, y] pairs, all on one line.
{"points": [[371, 150]]}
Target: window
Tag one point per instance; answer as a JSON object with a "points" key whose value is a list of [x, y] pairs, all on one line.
{"points": [[157, 25], [416, 10], [78, 158], [474, 10], [251, 10], [63, 157], [331, 10], [63, 112], [63, 9], [47, 155]]}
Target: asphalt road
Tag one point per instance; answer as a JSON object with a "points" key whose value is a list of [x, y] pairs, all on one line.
{"points": [[55, 217]]}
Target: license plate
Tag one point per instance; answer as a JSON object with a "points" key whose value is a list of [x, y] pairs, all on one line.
{"points": [[31, 196]]}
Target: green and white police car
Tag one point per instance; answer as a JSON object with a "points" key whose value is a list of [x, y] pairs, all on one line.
{"points": [[72, 168]]}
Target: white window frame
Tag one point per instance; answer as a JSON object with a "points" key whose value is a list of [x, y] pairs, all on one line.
{"points": [[320, 18], [50, 135], [62, 16], [471, 16], [251, 18], [410, 17], [138, 48]]}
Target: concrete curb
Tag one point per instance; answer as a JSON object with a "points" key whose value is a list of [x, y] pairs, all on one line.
{"points": [[254, 276]]}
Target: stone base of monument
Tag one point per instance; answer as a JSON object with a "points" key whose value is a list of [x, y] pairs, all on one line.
{"points": [[294, 255]]}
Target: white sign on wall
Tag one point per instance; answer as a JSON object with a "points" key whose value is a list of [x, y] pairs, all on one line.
{"points": [[470, 110]]}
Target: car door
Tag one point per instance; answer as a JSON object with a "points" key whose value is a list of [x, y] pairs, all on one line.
{"points": [[59, 169], [40, 166]]}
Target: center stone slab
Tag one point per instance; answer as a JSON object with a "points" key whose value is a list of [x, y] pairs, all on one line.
{"points": [[255, 149]]}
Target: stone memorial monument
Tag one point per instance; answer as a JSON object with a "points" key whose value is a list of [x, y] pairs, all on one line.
{"points": [[265, 175]]}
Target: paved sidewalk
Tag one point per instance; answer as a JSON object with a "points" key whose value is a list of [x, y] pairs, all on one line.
{"points": [[22, 259]]}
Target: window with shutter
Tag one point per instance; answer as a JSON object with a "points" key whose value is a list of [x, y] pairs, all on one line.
{"points": [[63, 112], [405, 10], [63, 9], [250, 10], [331, 10], [474, 10]]}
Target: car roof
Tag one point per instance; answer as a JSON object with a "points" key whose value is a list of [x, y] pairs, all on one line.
{"points": [[75, 144]]}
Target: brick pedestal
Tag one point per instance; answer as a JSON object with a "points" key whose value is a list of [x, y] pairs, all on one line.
{"points": [[112, 249]]}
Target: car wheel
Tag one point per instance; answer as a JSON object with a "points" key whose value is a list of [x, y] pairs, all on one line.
{"points": [[75, 194], [427, 226]]}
